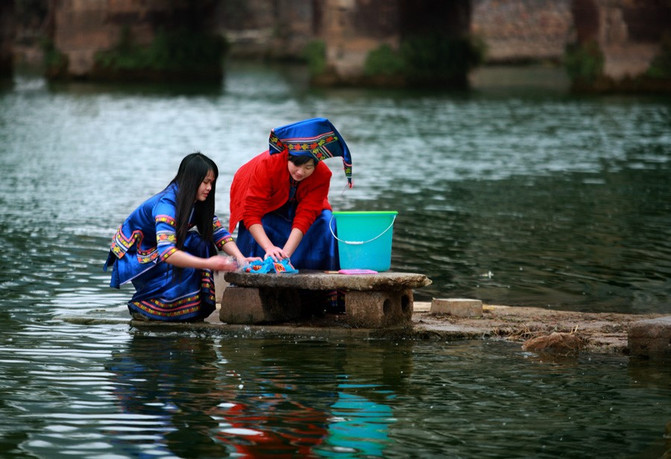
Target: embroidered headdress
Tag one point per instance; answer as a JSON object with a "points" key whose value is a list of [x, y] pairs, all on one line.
{"points": [[315, 137]]}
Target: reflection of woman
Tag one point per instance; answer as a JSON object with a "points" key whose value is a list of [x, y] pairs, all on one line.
{"points": [[168, 382], [159, 250], [280, 197], [282, 411]]}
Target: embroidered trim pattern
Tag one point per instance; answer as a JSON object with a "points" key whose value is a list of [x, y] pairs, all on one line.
{"points": [[121, 244], [220, 234], [167, 254], [316, 146], [165, 219], [184, 306]]}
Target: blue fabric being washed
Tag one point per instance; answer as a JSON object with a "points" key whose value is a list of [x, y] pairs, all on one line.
{"points": [[270, 266]]}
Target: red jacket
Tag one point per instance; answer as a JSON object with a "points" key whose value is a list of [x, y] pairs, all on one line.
{"points": [[262, 185]]}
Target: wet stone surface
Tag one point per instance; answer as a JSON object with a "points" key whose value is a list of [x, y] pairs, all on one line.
{"points": [[319, 280]]}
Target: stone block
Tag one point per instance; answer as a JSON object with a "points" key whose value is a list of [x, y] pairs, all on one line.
{"points": [[378, 309], [244, 305], [650, 338], [220, 285], [459, 307]]}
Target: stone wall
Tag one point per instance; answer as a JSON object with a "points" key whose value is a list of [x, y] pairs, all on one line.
{"points": [[82, 28], [523, 30], [515, 31], [351, 29], [276, 29], [628, 33]]}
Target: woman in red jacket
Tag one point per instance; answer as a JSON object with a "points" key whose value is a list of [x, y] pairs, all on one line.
{"points": [[280, 197]]}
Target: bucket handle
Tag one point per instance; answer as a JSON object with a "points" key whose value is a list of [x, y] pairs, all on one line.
{"points": [[359, 242]]}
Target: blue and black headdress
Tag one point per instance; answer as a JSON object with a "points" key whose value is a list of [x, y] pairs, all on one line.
{"points": [[315, 137]]}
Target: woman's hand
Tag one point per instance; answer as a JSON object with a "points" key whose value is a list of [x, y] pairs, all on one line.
{"points": [[276, 253], [244, 261], [261, 238], [220, 263]]}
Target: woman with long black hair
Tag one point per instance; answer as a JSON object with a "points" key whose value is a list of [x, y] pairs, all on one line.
{"points": [[167, 247]]}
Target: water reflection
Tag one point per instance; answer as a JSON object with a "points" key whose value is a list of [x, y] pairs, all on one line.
{"points": [[166, 384], [280, 404], [108, 390], [197, 398]]}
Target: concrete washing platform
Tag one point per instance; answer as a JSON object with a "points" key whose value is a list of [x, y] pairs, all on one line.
{"points": [[379, 300]]}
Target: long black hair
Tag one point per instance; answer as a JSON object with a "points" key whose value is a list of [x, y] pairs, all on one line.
{"points": [[191, 173]]}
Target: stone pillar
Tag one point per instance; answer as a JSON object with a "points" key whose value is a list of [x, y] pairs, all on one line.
{"points": [[351, 29], [629, 35], [6, 38], [80, 30], [382, 309]]}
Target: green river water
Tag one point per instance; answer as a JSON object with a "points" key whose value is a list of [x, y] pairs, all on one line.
{"points": [[515, 193]]}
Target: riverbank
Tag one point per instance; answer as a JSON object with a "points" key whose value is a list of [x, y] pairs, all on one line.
{"points": [[594, 332]]}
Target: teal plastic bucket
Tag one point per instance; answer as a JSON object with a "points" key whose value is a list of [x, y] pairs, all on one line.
{"points": [[364, 239]]}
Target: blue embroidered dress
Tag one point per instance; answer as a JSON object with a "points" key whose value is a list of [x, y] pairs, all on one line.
{"points": [[138, 252]]}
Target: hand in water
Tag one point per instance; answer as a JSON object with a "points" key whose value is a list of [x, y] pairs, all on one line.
{"points": [[221, 263], [244, 261]]}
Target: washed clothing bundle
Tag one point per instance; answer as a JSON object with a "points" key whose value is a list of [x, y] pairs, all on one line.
{"points": [[270, 266]]}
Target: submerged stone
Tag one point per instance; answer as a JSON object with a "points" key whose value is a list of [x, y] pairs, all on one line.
{"points": [[560, 343]]}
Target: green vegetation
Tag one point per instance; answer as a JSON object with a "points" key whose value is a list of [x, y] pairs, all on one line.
{"points": [[383, 61], [315, 55], [55, 62], [179, 50], [432, 58], [584, 62], [660, 67]]}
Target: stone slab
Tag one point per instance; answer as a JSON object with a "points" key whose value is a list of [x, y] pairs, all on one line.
{"points": [[650, 338], [459, 307], [320, 280]]}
